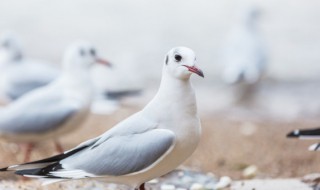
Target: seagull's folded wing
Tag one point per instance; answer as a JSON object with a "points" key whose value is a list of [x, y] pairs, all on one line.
{"points": [[121, 155], [33, 77], [115, 156]]}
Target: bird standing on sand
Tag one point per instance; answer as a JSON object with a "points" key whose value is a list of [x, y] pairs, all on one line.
{"points": [[148, 144], [307, 134], [53, 110], [19, 75]]}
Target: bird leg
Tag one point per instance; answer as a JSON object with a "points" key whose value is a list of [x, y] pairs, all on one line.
{"points": [[58, 146], [142, 187], [29, 148]]}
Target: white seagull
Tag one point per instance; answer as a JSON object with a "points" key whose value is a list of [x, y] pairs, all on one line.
{"points": [[312, 134], [20, 75], [146, 145], [245, 54], [51, 111], [111, 88]]}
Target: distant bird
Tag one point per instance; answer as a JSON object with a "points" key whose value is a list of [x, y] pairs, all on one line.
{"points": [[146, 145], [307, 134], [53, 110], [18, 74], [314, 147], [110, 89], [244, 53], [108, 102]]}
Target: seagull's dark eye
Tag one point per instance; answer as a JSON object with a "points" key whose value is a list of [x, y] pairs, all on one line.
{"points": [[177, 57], [93, 52], [82, 52]]}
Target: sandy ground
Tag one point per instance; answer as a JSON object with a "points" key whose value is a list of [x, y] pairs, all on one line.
{"points": [[229, 143], [234, 137], [279, 184]]}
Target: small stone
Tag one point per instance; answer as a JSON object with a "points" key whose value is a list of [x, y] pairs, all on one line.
{"points": [[248, 129], [181, 188], [154, 181], [181, 173], [196, 186], [210, 185], [250, 172], [167, 187], [313, 178], [224, 182], [187, 179], [211, 175]]}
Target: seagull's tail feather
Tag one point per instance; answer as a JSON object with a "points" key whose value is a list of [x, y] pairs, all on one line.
{"points": [[116, 95], [40, 172], [43, 174], [41, 164], [305, 133], [314, 147], [294, 134], [48, 168], [4, 169]]}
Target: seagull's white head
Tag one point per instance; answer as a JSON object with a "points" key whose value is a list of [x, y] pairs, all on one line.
{"points": [[10, 48], [180, 62], [251, 15], [80, 56]]}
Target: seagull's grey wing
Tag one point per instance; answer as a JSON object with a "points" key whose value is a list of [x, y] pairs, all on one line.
{"points": [[119, 155], [37, 113], [33, 77]]}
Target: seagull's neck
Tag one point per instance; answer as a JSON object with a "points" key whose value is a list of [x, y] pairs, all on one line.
{"points": [[76, 82], [173, 86], [174, 95], [77, 78]]}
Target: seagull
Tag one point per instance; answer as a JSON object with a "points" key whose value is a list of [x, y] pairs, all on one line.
{"points": [[109, 101], [244, 52], [146, 145], [111, 89], [19, 75], [53, 110], [307, 134]]}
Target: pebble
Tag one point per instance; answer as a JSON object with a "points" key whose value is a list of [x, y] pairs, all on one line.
{"points": [[154, 181], [187, 178], [250, 172], [167, 187], [248, 129], [224, 182], [196, 186], [313, 180]]}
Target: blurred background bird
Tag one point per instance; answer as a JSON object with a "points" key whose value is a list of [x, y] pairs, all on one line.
{"points": [[56, 109], [309, 134], [244, 55], [19, 74], [110, 93]]}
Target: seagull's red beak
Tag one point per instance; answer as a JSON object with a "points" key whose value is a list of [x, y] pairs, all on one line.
{"points": [[104, 62], [195, 70]]}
